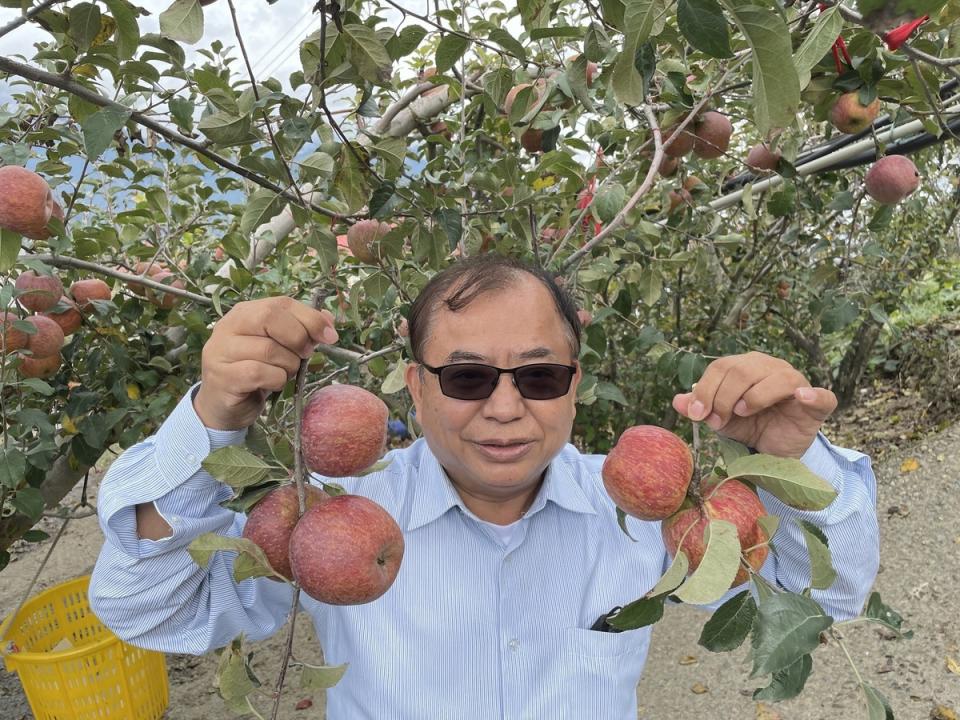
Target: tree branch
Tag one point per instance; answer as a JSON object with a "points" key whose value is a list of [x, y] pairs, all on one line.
{"points": [[74, 88]]}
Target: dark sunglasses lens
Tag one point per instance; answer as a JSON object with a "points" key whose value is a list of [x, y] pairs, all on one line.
{"points": [[468, 382], [543, 382]]}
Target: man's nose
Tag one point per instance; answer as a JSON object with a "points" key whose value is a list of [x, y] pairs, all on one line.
{"points": [[505, 402]]}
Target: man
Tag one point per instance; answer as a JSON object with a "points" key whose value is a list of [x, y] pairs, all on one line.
{"points": [[512, 547]]}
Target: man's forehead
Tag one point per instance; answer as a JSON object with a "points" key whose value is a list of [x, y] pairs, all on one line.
{"points": [[534, 353]]}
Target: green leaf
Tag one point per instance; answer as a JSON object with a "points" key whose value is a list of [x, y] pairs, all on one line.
{"points": [[877, 706], [366, 53], [609, 391], [249, 496], [731, 450], [395, 380], [690, 369], [885, 13], [822, 573], [406, 41], [235, 678], [535, 13], [718, 567], [769, 524], [786, 683], [29, 502], [640, 613], [13, 467], [35, 536], [181, 109], [565, 31], [704, 26], [622, 522], [224, 128], [650, 285], [450, 49], [321, 677], [10, 243], [349, 182], [787, 627], [776, 88], [497, 84], [261, 206], [788, 479], [182, 21], [128, 31], [673, 577], [99, 129], [883, 614], [84, 25], [817, 43], [509, 43], [236, 466], [249, 563], [450, 221], [730, 623]]}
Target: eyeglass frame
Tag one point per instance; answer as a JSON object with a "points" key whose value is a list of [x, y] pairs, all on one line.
{"points": [[500, 371]]}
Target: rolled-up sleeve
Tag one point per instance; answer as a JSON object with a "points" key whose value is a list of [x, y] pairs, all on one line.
{"points": [[151, 592]]}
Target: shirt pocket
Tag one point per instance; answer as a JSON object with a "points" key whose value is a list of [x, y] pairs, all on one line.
{"points": [[603, 670]]}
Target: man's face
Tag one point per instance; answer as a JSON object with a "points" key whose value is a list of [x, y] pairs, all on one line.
{"points": [[516, 326]]}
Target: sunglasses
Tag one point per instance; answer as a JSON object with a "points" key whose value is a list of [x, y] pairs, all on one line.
{"points": [[474, 381]]}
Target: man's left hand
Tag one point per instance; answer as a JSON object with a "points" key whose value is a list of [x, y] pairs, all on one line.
{"points": [[760, 401]]}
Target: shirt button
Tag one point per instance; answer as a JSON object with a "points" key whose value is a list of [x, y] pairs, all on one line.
{"points": [[513, 644]]}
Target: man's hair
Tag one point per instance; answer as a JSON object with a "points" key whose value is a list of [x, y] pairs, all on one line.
{"points": [[463, 282]]}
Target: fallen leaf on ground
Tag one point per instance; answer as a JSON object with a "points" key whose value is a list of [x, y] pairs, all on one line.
{"points": [[942, 712], [688, 660], [304, 704], [699, 688], [765, 712], [953, 666], [909, 465]]}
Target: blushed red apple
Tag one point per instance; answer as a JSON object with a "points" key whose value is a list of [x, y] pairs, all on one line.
{"points": [[344, 430], [47, 340], [39, 292], [648, 471], [728, 500], [66, 315], [271, 521], [346, 551], [26, 202], [86, 291]]}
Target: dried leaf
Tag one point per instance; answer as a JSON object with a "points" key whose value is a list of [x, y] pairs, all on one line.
{"points": [[689, 660], [953, 666], [765, 712], [699, 689], [909, 465]]}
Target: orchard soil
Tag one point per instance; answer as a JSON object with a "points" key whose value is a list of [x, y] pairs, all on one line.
{"points": [[916, 462]]}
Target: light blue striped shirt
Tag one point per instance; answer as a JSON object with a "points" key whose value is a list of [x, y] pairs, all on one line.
{"points": [[471, 628]]}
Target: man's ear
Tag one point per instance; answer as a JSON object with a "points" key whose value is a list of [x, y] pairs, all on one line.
{"points": [[413, 376], [575, 383]]}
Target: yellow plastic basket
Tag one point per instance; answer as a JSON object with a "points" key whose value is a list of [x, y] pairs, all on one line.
{"points": [[73, 668]]}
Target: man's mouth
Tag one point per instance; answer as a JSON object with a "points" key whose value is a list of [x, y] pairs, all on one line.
{"points": [[504, 450]]}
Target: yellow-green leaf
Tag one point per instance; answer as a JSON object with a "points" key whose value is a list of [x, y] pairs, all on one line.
{"points": [[792, 482], [717, 568]]}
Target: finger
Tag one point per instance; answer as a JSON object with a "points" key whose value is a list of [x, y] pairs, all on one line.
{"points": [[770, 391], [261, 349], [292, 323], [739, 380], [249, 376], [818, 402], [700, 401]]}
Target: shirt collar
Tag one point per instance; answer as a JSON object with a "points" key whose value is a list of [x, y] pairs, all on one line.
{"points": [[434, 494]]}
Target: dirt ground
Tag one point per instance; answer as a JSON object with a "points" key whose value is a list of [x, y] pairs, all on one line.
{"points": [[919, 577]]}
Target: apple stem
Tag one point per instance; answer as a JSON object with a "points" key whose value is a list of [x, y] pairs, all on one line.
{"points": [[694, 490]]}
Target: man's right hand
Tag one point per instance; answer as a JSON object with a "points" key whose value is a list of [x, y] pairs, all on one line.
{"points": [[255, 349]]}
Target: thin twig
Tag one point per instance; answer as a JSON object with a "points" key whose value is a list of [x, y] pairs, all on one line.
{"points": [[28, 16]]}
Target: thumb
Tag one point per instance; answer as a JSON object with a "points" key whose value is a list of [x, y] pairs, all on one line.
{"points": [[819, 403]]}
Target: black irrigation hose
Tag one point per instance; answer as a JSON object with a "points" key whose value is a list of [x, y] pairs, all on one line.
{"points": [[900, 147]]}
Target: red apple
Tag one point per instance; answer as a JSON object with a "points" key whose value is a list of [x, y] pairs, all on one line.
{"points": [[363, 238], [68, 318], [891, 178], [346, 551], [47, 340], [713, 132], [684, 142], [11, 339], [26, 202], [85, 291], [849, 115], [40, 292], [728, 500], [42, 368], [761, 157], [584, 317], [145, 268], [403, 328], [648, 471], [271, 521], [161, 299], [344, 430]]}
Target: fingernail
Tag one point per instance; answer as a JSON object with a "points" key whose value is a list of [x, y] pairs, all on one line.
{"points": [[330, 335], [740, 408], [696, 410], [806, 394], [714, 422]]}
